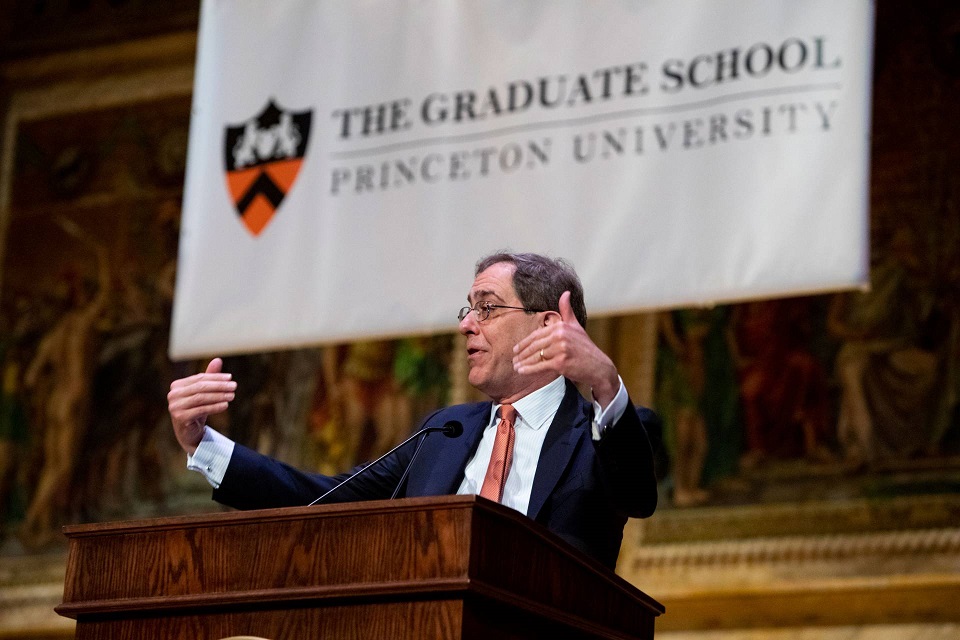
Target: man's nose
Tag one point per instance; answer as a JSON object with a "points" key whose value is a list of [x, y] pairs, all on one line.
{"points": [[469, 324]]}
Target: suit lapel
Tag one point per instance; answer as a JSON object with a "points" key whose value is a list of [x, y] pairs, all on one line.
{"points": [[447, 473], [558, 447]]}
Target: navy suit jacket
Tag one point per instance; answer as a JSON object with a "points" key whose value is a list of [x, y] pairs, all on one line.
{"points": [[583, 490]]}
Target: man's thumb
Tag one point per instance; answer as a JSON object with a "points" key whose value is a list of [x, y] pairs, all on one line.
{"points": [[215, 366], [566, 309]]}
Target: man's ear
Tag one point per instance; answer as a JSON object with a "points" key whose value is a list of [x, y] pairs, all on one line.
{"points": [[549, 317]]}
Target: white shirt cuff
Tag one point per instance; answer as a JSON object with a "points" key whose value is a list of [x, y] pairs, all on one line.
{"points": [[603, 418], [212, 456]]}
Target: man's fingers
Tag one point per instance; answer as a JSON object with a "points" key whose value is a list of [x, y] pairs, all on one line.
{"points": [[206, 386], [538, 351], [203, 393], [197, 377], [191, 402], [195, 401], [536, 339], [530, 359], [214, 371], [191, 399], [201, 411], [554, 340], [531, 345]]}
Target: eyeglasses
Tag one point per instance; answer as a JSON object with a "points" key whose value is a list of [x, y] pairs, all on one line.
{"points": [[484, 309]]}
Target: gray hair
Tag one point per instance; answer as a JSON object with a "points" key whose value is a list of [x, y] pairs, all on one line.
{"points": [[539, 281]]}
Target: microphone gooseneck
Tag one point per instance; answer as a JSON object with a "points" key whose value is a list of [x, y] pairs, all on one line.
{"points": [[451, 429]]}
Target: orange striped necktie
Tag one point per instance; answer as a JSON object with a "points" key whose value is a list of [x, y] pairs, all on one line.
{"points": [[501, 457]]}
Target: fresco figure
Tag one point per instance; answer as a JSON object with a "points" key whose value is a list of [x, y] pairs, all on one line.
{"points": [[65, 358], [681, 375], [783, 389], [721, 400], [888, 365]]}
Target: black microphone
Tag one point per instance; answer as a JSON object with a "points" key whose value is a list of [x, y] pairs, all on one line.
{"points": [[451, 429]]}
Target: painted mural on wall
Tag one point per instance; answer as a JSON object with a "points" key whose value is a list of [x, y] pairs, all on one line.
{"points": [[87, 287], [88, 277], [851, 388]]}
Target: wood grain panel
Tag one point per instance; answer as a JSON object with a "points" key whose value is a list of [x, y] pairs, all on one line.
{"points": [[447, 567]]}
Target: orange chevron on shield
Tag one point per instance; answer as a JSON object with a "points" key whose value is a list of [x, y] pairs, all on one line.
{"points": [[263, 156]]}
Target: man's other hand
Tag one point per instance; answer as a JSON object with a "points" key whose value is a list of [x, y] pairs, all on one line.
{"points": [[563, 346], [192, 399]]}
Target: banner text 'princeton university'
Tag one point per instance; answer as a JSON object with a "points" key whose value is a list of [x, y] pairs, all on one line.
{"points": [[350, 161]]}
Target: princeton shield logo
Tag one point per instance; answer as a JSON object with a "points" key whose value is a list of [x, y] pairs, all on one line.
{"points": [[262, 158]]}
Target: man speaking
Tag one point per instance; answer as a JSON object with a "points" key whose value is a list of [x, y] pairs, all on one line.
{"points": [[579, 468]]}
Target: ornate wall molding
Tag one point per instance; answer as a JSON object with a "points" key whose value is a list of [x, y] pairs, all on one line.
{"points": [[824, 517], [780, 566], [795, 550]]}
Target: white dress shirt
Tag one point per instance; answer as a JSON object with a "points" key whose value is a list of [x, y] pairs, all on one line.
{"points": [[534, 414]]}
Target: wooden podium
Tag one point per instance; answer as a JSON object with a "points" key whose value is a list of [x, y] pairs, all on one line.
{"points": [[418, 569]]}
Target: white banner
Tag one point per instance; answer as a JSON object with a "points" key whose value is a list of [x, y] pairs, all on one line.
{"points": [[350, 160]]}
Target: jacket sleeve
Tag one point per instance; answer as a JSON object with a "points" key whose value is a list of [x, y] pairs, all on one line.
{"points": [[256, 481], [626, 452]]}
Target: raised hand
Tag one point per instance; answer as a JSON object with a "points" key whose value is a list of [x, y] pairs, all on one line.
{"points": [[564, 347], [192, 399]]}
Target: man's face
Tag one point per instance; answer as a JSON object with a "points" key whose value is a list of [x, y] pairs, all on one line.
{"points": [[490, 343]]}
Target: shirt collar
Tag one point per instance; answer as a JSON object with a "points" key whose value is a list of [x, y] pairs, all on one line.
{"points": [[537, 408]]}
